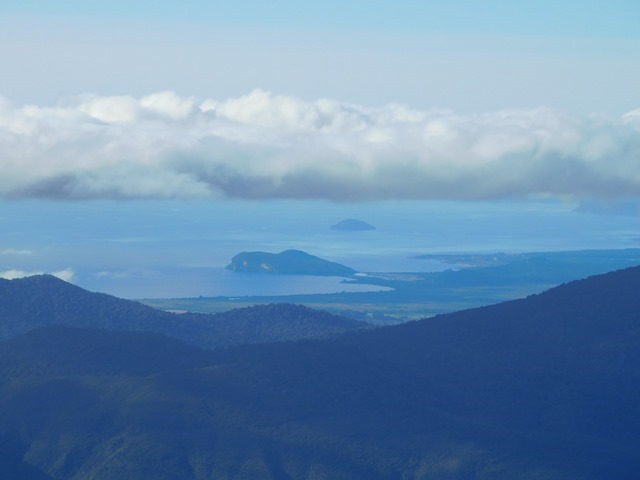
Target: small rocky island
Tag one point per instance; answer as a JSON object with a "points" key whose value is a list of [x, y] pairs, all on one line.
{"points": [[289, 262], [352, 225]]}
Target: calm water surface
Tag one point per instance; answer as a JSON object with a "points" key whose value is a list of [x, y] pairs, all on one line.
{"points": [[178, 248]]}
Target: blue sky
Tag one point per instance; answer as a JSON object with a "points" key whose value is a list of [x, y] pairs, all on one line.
{"points": [[616, 18], [346, 103], [478, 56]]}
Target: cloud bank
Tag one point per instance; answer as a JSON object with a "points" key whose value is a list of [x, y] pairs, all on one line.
{"points": [[263, 145]]}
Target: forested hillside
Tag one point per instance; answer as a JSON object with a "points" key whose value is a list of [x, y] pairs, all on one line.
{"points": [[542, 388], [44, 300]]}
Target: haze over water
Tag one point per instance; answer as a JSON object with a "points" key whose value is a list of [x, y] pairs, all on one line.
{"points": [[150, 249]]}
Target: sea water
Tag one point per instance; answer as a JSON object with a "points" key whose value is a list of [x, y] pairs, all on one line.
{"points": [[156, 249]]}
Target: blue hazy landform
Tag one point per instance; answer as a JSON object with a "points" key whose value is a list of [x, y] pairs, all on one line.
{"points": [[287, 262], [352, 225]]}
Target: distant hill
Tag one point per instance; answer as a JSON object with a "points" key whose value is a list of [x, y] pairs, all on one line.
{"points": [[543, 388], [44, 300], [352, 225], [289, 262]]}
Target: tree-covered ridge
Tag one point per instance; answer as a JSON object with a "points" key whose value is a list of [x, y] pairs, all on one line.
{"points": [[45, 300], [540, 388]]}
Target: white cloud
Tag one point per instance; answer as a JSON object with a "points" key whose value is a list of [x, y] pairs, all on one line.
{"points": [[114, 275], [263, 145], [12, 274], [120, 109], [632, 117], [16, 251], [168, 104], [67, 274]]}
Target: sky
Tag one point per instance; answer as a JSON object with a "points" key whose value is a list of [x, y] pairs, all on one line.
{"points": [[461, 55], [346, 102]]}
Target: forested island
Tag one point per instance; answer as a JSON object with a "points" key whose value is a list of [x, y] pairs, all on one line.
{"points": [[288, 262]]}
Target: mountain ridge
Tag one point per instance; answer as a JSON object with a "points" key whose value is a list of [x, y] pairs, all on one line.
{"points": [[44, 300], [544, 387]]}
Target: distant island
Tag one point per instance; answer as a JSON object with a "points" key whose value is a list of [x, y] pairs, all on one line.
{"points": [[289, 262], [352, 225]]}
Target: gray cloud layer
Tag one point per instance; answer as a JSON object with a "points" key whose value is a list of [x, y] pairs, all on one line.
{"points": [[263, 145]]}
